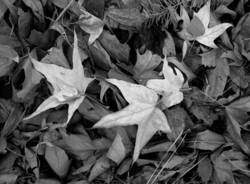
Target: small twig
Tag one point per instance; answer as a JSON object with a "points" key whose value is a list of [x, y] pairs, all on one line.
{"points": [[64, 10]]}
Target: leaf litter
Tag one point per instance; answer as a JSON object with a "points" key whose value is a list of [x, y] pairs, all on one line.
{"points": [[124, 91]]}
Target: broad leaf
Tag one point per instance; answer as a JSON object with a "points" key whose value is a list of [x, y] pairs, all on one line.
{"points": [[69, 85], [191, 31], [141, 111], [170, 86], [91, 24], [57, 159]]}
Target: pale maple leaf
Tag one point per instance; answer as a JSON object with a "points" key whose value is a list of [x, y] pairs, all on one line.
{"points": [[169, 87], [141, 111], [69, 85], [200, 23]]}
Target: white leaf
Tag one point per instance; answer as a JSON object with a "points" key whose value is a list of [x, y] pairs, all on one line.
{"points": [[141, 111], [69, 85], [169, 87], [212, 33]]}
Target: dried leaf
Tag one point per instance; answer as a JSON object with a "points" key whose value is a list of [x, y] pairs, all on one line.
{"points": [[127, 19], [217, 78], [207, 140], [169, 87], [37, 8], [101, 165], [141, 110], [91, 24], [205, 170], [117, 151], [203, 16], [69, 85], [57, 159]]}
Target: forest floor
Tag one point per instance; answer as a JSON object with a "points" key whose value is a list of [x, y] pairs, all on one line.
{"points": [[124, 91]]}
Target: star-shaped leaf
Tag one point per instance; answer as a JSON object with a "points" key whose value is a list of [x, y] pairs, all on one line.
{"points": [[170, 86], [141, 111], [198, 28], [69, 85]]}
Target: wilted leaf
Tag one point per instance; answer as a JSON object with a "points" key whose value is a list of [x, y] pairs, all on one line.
{"points": [[141, 110], [57, 159]]}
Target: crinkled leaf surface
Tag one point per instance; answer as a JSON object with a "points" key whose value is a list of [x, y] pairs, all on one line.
{"points": [[69, 84], [170, 86], [141, 111]]}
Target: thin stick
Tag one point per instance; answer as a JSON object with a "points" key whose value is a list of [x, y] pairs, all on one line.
{"points": [[64, 10]]}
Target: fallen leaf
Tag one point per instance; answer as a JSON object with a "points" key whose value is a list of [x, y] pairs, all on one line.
{"points": [[79, 145], [91, 24], [217, 78], [114, 48], [8, 178], [117, 151], [25, 90], [37, 8], [145, 62], [69, 85], [170, 86], [141, 110], [205, 170], [32, 160], [57, 159], [205, 36], [222, 169], [207, 140], [47, 181], [101, 165], [127, 18]]}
